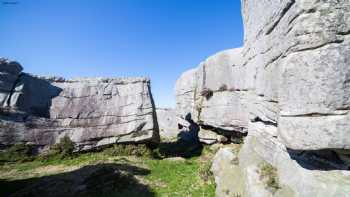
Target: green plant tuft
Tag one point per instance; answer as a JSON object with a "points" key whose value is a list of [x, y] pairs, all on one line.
{"points": [[269, 175]]}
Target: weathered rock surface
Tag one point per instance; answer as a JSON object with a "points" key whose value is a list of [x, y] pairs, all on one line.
{"points": [[299, 50], [185, 93], [227, 173], [91, 111], [298, 174], [167, 123], [288, 87], [225, 108], [292, 73]]}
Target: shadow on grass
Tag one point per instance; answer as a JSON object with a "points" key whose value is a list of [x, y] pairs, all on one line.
{"points": [[92, 180], [179, 148]]}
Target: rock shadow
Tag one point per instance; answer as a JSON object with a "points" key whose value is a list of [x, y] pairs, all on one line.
{"points": [[187, 144], [93, 180], [35, 96], [179, 148], [324, 160]]}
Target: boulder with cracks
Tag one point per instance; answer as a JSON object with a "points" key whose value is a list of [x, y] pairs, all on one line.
{"points": [[92, 112]]}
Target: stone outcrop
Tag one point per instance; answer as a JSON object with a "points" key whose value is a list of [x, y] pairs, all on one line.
{"points": [[91, 111], [299, 51], [288, 87]]}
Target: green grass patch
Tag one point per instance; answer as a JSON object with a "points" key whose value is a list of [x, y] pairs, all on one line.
{"points": [[121, 170], [17, 153], [178, 178]]}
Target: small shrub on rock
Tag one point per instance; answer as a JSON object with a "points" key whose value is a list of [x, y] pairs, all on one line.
{"points": [[207, 93], [269, 175], [63, 149]]}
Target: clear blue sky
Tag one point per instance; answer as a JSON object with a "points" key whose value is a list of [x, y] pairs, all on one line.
{"points": [[155, 38]]}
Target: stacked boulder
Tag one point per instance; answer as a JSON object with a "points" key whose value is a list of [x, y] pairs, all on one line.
{"points": [[288, 88]]}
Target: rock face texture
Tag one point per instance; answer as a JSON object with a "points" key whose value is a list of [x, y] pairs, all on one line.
{"points": [[91, 111], [167, 123], [214, 96], [210, 94], [288, 88]]}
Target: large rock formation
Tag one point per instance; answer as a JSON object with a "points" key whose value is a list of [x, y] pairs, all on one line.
{"points": [[91, 111], [288, 87]]}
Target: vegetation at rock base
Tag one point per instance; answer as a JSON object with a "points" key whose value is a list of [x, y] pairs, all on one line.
{"points": [[269, 175], [63, 149], [111, 173], [17, 153], [139, 150], [205, 173]]}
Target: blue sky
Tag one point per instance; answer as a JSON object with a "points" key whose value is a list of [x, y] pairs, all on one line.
{"points": [[155, 38]]}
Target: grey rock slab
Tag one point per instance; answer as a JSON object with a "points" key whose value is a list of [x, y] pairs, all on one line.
{"points": [[227, 174], [167, 122]]}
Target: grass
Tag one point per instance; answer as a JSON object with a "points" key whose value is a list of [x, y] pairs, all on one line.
{"points": [[178, 178], [121, 170], [17, 153]]}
